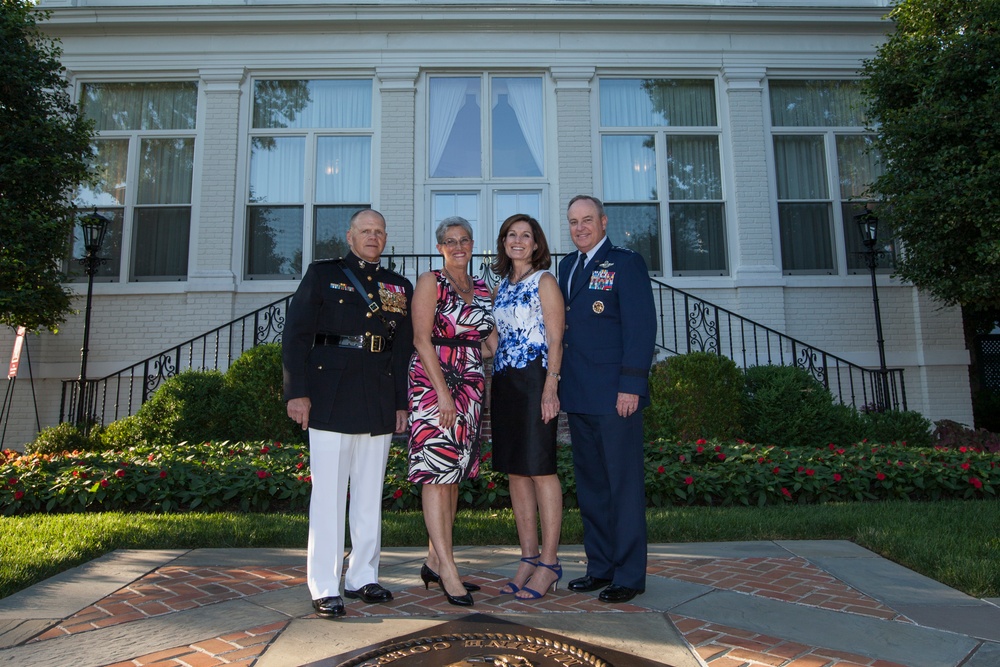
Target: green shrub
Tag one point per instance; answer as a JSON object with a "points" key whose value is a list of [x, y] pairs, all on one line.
{"points": [[186, 407], [65, 437], [696, 395], [126, 432], [897, 426], [253, 403], [787, 406]]}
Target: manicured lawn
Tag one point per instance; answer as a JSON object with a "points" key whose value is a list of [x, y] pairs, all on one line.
{"points": [[955, 542]]}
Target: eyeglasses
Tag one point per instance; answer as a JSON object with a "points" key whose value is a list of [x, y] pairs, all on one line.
{"points": [[454, 243]]}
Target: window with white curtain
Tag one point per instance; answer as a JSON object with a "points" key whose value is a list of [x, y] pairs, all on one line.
{"points": [[310, 171], [144, 157], [660, 160], [824, 165], [485, 150]]}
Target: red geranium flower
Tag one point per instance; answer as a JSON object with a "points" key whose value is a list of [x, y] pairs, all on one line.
{"points": [[661, 470], [262, 474], [880, 476], [963, 449], [720, 456], [975, 481], [18, 495], [119, 473], [776, 470], [397, 494], [689, 480], [12, 481], [265, 449], [837, 477], [700, 449], [163, 474], [300, 466], [150, 457], [104, 483], [786, 492], [701, 441], [810, 472], [965, 466], [491, 485], [681, 458]]}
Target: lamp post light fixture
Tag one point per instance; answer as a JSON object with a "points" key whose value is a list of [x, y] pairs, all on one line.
{"points": [[868, 226], [94, 227]]}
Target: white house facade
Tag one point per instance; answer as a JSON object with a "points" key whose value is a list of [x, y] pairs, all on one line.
{"points": [[236, 137]]}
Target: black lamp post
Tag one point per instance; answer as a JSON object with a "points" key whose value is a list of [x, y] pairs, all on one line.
{"points": [[94, 226], [868, 225]]}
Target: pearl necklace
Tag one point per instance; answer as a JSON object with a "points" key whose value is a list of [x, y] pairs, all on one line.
{"points": [[454, 283]]}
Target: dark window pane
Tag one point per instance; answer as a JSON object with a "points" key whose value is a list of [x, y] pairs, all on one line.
{"points": [[698, 239], [161, 243], [274, 241], [806, 238], [637, 227]]}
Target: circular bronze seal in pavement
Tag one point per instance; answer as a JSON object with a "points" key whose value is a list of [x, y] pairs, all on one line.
{"points": [[487, 649]]}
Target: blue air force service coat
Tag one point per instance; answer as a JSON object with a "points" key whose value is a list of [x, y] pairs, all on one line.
{"points": [[610, 332], [352, 390]]}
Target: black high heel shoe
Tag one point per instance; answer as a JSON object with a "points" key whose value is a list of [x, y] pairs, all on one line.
{"points": [[457, 600], [429, 576]]}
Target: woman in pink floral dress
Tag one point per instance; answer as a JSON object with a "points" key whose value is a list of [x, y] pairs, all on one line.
{"points": [[452, 315]]}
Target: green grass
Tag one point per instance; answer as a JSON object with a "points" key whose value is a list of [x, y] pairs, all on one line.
{"points": [[954, 542]]}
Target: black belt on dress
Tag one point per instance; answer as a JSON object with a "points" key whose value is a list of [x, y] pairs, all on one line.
{"points": [[456, 342], [366, 341]]}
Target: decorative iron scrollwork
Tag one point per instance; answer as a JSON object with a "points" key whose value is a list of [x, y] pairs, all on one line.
{"points": [[808, 359], [702, 328], [273, 324]]}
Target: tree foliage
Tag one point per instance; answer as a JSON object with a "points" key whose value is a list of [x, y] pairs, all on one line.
{"points": [[933, 91], [45, 146]]}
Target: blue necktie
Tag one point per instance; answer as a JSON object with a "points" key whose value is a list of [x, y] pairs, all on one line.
{"points": [[578, 273]]}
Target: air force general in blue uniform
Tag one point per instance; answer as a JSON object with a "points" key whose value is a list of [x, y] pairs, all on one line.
{"points": [[607, 353]]}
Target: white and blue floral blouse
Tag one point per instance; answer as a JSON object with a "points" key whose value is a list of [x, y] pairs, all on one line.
{"points": [[518, 313]]}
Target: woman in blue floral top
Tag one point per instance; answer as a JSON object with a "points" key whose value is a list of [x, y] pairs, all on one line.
{"points": [[530, 317]]}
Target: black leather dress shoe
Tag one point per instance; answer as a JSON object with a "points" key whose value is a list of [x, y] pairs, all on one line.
{"points": [[616, 593], [587, 584], [370, 593], [329, 607]]}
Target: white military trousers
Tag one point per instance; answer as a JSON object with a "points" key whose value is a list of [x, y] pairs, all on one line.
{"points": [[336, 459]]}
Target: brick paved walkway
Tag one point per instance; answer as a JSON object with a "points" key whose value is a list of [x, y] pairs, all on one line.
{"points": [[752, 602]]}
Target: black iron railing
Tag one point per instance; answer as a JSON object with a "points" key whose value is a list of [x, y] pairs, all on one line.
{"points": [[690, 324], [687, 323]]}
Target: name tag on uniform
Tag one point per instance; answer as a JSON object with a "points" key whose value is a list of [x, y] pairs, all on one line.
{"points": [[393, 298], [602, 280], [342, 286]]}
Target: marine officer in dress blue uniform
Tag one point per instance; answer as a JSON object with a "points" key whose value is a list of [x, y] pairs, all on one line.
{"points": [[346, 347], [607, 353]]}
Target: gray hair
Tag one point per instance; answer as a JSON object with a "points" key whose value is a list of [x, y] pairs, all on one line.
{"points": [[448, 223]]}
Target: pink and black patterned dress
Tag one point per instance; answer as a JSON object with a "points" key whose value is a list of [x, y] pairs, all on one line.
{"points": [[448, 456]]}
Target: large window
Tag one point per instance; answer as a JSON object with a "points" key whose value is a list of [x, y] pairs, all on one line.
{"points": [[310, 171], [823, 166], [660, 161], [144, 155], [486, 150]]}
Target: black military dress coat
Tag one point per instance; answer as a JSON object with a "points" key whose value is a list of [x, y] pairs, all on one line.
{"points": [[352, 389]]}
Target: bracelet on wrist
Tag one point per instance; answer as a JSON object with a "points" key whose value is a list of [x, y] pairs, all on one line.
{"points": [[555, 375]]}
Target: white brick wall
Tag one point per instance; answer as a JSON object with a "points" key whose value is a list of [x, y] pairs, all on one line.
{"points": [[133, 321]]}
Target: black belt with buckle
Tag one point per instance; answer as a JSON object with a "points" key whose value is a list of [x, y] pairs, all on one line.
{"points": [[366, 341]]}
